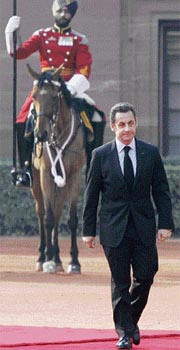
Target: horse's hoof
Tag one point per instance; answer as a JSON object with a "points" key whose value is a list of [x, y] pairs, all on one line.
{"points": [[74, 269], [60, 268], [49, 266], [39, 266]]}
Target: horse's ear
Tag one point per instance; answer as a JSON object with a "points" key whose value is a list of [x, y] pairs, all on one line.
{"points": [[32, 72], [57, 72]]}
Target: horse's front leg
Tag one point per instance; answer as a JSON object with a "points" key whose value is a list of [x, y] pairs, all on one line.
{"points": [[57, 260], [49, 226], [74, 265], [40, 212], [42, 245]]}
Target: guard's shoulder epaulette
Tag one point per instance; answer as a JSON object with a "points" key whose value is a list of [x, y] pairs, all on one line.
{"points": [[41, 31], [84, 39]]}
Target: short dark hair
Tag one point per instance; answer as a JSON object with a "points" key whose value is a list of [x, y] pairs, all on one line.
{"points": [[121, 107]]}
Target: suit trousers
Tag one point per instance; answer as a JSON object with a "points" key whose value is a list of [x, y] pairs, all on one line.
{"points": [[133, 266]]}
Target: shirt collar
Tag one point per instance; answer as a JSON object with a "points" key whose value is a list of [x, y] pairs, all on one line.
{"points": [[121, 145]]}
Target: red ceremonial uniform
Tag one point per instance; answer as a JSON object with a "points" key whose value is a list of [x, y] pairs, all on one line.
{"points": [[55, 47]]}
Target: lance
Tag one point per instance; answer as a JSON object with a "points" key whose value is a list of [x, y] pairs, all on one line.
{"points": [[14, 88]]}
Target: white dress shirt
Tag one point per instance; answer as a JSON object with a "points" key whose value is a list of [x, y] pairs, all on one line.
{"points": [[132, 154]]}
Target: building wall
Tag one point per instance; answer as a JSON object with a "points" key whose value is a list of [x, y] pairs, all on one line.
{"points": [[100, 22], [123, 36], [139, 58]]}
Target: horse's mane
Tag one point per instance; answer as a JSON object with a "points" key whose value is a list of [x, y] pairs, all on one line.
{"points": [[48, 76], [66, 93]]}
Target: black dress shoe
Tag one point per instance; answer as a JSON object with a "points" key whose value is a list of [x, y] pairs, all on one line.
{"points": [[136, 336], [124, 343]]}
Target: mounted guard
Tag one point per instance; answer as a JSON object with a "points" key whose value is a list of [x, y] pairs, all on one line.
{"points": [[57, 45]]}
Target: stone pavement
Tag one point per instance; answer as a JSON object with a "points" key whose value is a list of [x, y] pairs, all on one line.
{"points": [[39, 299]]}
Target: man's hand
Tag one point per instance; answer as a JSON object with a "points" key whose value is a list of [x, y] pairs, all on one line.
{"points": [[90, 241], [163, 234]]}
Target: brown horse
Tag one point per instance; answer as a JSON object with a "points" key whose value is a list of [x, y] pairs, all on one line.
{"points": [[57, 165]]}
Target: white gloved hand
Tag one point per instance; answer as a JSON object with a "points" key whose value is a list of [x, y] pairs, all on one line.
{"points": [[71, 89], [12, 25], [78, 84]]}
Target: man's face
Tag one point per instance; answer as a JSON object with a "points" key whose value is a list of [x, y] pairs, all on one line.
{"points": [[62, 17], [124, 127]]}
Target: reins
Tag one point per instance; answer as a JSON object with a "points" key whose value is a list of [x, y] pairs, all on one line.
{"points": [[60, 180]]}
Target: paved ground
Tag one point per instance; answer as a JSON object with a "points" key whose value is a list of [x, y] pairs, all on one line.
{"points": [[40, 299]]}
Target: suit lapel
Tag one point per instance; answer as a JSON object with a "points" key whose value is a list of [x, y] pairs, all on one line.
{"points": [[114, 161]]}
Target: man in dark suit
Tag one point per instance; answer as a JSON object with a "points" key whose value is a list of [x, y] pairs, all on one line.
{"points": [[128, 178]]}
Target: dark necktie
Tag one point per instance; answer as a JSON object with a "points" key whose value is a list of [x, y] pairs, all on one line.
{"points": [[128, 168]]}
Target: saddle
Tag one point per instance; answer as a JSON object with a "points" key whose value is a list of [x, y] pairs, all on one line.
{"points": [[86, 112]]}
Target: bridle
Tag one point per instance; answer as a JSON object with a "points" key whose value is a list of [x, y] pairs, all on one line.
{"points": [[39, 84], [54, 144]]}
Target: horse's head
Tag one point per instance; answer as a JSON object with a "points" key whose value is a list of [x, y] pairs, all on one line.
{"points": [[46, 90]]}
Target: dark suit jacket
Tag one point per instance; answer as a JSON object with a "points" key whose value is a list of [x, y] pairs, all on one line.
{"points": [[106, 178]]}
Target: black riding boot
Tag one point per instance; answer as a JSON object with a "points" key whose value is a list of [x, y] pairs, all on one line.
{"points": [[23, 177]]}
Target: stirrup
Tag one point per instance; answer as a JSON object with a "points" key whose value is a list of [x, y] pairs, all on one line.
{"points": [[22, 178]]}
